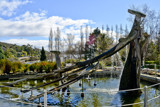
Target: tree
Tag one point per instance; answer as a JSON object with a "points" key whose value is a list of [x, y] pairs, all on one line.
{"points": [[7, 53], [151, 24], [57, 39], [43, 54], [91, 44], [70, 43], [13, 52], [86, 31], [24, 53], [50, 45], [81, 45], [98, 42], [2, 56]]}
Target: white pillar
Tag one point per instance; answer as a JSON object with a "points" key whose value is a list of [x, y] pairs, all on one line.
{"points": [[45, 98], [145, 96], [31, 93], [155, 70]]}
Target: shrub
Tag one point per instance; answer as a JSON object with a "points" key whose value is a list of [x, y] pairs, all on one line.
{"points": [[63, 64], [17, 67], [26, 67], [33, 58], [152, 62], [71, 60], [32, 67], [51, 66], [43, 66], [152, 66], [2, 56], [5, 66], [54, 66]]}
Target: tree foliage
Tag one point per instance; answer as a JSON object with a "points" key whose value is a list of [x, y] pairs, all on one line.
{"points": [[2, 56], [7, 53], [97, 44], [43, 55], [13, 51]]}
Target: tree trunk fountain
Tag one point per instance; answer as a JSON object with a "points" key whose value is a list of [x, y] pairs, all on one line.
{"points": [[131, 73]]}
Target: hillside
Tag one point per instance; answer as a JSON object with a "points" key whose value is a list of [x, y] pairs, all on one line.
{"points": [[15, 51]]}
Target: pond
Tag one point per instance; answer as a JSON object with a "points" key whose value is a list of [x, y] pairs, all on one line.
{"points": [[103, 94]]}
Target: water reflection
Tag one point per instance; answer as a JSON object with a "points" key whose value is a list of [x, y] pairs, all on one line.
{"points": [[103, 94]]}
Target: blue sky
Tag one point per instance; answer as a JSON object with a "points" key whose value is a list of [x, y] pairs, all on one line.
{"points": [[29, 21]]}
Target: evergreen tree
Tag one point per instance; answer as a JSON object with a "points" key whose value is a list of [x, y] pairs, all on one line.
{"points": [[43, 54]]}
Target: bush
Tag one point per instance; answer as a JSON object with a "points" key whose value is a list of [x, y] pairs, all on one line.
{"points": [[63, 64], [71, 60], [43, 66], [32, 67], [26, 67], [2, 56], [17, 67], [5, 66], [8, 67], [33, 58], [152, 62]]}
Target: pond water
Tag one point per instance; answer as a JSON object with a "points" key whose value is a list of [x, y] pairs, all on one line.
{"points": [[103, 94]]}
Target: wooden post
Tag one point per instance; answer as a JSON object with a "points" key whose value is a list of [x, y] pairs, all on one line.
{"points": [[145, 96], [21, 85], [39, 102], [82, 94], [21, 95], [45, 98], [31, 93], [155, 70]]}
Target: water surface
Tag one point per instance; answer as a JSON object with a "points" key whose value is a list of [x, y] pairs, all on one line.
{"points": [[103, 94]]}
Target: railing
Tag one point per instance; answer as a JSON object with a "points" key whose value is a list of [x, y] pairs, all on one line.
{"points": [[154, 70], [144, 102]]}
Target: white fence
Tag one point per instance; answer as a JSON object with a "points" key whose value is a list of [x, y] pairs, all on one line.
{"points": [[144, 102]]}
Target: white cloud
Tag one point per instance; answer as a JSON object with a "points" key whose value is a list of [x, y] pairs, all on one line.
{"points": [[8, 7], [34, 43], [38, 25]]}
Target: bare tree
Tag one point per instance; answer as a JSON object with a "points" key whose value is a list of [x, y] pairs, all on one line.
{"points": [[151, 24], [86, 33], [126, 31], [70, 43], [50, 45], [82, 42], [111, 31], [107, 30], [102, 28], [121, 30], [57, 39], [90, 29], [117, 33]]}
